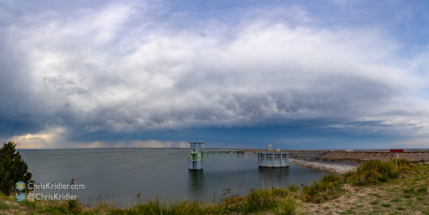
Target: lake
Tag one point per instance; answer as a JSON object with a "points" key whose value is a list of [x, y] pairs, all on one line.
{"points": [[117, 175]]}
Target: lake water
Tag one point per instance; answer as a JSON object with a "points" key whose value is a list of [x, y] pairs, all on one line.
{"points": [[117, 175]]}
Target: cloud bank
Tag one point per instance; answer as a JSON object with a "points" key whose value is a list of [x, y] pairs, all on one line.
{"points": [[118, 69]]}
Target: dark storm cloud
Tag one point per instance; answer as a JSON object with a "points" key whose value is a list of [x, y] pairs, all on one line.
{"points": [[125, 68]]}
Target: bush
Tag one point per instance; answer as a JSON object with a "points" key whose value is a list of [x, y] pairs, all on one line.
{"points": [[286, 207], [280, 191], [374, 171], [12, 168], [331, 178], [74, 206], [326, 189], [293, 188], [377, 166], [383, 178], [257, 200], [160, 206], [260, 198]]}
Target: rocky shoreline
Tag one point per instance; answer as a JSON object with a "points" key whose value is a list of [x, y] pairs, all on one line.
{"points": [[360, 157], [335, 167]]}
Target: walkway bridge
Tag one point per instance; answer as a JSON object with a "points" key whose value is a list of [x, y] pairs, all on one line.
{"points": [[265, 159], [229, 154]]}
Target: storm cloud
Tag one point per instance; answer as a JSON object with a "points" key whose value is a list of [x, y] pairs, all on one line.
{"points": [[122, 68]]}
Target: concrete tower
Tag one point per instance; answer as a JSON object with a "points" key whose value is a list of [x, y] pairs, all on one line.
{"points": [[195, 157]]}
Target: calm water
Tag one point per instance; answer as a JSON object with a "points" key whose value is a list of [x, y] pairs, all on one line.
{"points": [[119, 174]]}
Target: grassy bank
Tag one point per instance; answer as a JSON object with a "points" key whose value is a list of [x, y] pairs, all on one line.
{"points": [[375, 188], [278, 200]]}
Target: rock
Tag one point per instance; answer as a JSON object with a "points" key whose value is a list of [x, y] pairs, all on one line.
{"points": [[326, 166]]}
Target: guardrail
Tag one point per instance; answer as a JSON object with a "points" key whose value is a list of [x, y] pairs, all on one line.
{"points": [[306, 154], [228, 154]]}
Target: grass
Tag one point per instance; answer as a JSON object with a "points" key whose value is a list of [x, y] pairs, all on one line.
{"points": [[401, 194], [277, 200], [55, 207], [374, 203], [4, 206], [400, 208]]}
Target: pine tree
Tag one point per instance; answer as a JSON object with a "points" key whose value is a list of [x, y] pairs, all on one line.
{"points": [[12, 168]]}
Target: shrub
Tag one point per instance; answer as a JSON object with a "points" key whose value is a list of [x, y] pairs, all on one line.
{"points": [[160, 206], [383, 178], [325, 189], [331, 178], [293, 188], [280, 191], [12, 168], [260, 198], [349, 174], [74, 206], [286, 207], [377, 166], [404, 162], [374, 171], [400, 164]]}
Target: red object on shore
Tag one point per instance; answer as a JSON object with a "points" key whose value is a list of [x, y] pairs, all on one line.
{"points": [[396, 150]]}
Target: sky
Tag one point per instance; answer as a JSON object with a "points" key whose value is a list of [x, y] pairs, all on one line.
{"points": [[328, 74]]}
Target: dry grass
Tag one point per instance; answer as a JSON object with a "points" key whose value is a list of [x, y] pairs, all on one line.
{"points": [[406, 194]]}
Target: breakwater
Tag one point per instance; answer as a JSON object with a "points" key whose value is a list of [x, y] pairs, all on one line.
{"points": [[341, 162], [335, 167], [359, 157]]}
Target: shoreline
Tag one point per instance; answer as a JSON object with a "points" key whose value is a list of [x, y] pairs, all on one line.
{"points": [[334, 167]]}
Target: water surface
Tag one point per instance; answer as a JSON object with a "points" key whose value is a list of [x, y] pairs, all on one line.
{"points": [[119, 174]]}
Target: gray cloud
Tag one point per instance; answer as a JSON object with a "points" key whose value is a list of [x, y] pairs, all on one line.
{"points": [[103, 70]]}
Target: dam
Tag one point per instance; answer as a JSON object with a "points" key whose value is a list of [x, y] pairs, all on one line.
{"points": [[269, 158]]}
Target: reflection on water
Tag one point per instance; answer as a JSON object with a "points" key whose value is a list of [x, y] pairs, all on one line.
{"points": [[196, 181], [119, 174], [273, 176]]}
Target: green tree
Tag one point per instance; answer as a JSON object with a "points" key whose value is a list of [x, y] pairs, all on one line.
{"points": [[12, 168]]}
